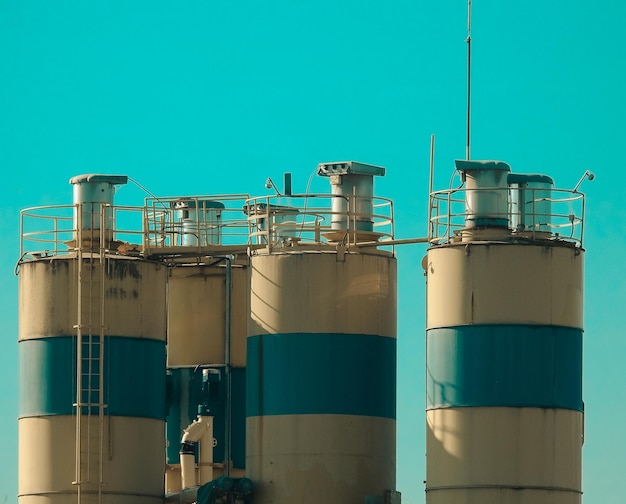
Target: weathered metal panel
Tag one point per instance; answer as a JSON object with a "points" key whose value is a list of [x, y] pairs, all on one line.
{"points": [[321, 377], [503, 455], [504, 283]]}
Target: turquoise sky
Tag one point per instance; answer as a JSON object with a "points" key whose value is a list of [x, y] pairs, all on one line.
{"points": [[200, 97]]}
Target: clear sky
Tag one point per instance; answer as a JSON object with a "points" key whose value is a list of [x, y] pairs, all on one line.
{"points": [[200, 97]]}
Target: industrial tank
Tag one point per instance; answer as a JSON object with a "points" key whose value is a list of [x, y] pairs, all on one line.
{"points": [[92, 362], [504, 342], [207, 313], [321, 357], [199, 318]]}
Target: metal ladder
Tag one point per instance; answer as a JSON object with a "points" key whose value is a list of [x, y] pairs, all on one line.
{"points": [[89, 403]]}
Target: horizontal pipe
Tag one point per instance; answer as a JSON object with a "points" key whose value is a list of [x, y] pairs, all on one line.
{"points": [[503, 487], [405, 241], [92, 492]]}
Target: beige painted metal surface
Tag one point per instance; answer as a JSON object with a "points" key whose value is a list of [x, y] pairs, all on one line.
{"points": [[320, 292], [134, 297], [196, 315], [491, 283], [492, 455], [126, 454], [499, 496], [504, 449], [47, 460], [311, 459], [321, 458]]}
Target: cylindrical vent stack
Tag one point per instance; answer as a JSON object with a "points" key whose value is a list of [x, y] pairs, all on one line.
{"points": [[352, 185], [486, 201], [321, 357], [199, 221], [530, 202], [504, 372], [274, 223], [92, 381], [206, 357], [94, 196]]}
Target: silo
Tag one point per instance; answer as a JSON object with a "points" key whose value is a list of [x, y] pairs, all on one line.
{"points": [[504, 344], [92, 364], [321, 364], [208, 293]]}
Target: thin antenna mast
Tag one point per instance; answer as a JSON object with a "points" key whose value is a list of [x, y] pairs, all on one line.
{"points": [[469, 75], [430, 186]]}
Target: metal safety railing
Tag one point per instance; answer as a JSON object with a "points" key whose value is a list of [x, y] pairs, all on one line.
{"points": [[197, 223], [46, 231], [58, 230], [280, 221], [556, 214]]}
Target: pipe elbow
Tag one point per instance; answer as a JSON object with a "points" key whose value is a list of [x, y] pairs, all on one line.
{"points": [[193, 433]]}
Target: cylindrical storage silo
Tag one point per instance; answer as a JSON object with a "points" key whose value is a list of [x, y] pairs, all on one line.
{"points": [[504, 373], [207, 320], [321, 377], [92, 380]]}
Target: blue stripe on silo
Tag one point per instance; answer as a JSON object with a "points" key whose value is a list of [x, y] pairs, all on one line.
{"points": [[504, 365], [320, 373], [134, 376]]}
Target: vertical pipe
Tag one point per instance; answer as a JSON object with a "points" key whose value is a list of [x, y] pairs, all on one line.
{"points": [[469, 75], [101, 345], [79, 348], [429, 234], [227, 336], [287, 184]]}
